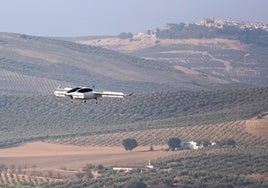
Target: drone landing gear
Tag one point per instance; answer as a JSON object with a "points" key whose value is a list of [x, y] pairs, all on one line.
{"points": [[96, 100]]}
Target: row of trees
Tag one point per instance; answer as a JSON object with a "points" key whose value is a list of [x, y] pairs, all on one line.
{"points": [[131, 143], [125, 35], [174, 142], [248, 36]]}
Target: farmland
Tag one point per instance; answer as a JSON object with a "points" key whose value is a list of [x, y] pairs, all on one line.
{"points": [[54, 163], [54, 117], [37, 65], [196, 89], [75, 134]]}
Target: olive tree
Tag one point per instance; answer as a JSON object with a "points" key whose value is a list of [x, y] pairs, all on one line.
{"points": [[129, 144], [174, 143], [135, 184]]}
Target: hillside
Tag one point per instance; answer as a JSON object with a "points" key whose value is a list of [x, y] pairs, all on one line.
{"points": [[230, 55], [37, 65], [56, 138], [40, 117], [208, 88], [64, 157]]}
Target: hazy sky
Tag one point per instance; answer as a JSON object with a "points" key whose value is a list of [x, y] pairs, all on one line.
{"points": [[110, 17]]}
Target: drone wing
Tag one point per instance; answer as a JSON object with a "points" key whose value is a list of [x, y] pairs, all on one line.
{"points": [[110, 94], [61, 92]]}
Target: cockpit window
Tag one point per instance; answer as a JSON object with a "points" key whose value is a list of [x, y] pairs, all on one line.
{"points": [[73, 90], [84, 90]]}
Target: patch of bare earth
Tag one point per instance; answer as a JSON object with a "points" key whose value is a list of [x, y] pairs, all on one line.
{"points": [[6, 36], [52, 157], [216, 42], [136, 43], [193, 72], [142, 41], [258, 126], [258, 176]]}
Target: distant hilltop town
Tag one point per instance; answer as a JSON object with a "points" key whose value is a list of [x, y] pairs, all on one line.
{"points": [[212, 22]]}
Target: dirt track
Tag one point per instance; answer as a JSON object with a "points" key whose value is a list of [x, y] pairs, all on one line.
{"points": [[46, 156]]}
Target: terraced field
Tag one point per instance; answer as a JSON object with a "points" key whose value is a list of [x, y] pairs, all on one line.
{"points": [[101, 148], [37, 65], [16, 179], [197, 89], [213, 132], [49, 117]]}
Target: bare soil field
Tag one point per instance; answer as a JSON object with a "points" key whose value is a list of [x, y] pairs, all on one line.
{"points": [[258, 176], [47, 156], [258, 126], [141, 41]]}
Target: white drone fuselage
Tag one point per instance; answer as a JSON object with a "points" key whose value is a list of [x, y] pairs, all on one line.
{"points": [[86, 93]]}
